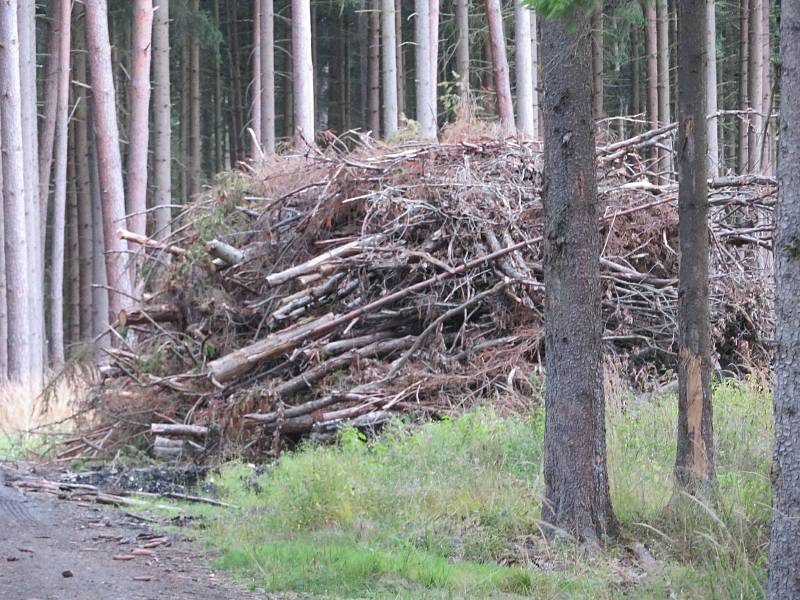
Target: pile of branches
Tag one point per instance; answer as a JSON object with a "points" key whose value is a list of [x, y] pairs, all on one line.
{"points": [[305, 292]]}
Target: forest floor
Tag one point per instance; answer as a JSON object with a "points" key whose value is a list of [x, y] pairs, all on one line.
{"points": [[439, 509], [52, 549]]}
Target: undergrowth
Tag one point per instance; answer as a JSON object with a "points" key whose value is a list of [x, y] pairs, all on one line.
{"points": [[450, 509]]}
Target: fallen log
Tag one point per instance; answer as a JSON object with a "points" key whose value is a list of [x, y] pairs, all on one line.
{"points": [[172, 429], [156, 313], [230, 255], [147, 242]]}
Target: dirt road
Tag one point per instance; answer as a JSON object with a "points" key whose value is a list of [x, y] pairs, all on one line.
{"points": [[52, 549]]}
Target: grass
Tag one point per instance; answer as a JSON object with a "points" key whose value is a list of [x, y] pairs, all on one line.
{"points": [[450, 510]]}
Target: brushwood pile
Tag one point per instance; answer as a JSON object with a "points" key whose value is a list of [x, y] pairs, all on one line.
{"points": [[303, 293]]}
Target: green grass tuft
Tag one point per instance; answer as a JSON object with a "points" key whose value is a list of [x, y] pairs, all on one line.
{"points": [[450, 510]]}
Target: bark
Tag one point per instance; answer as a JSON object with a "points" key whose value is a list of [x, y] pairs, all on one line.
{"points": [[35, 211], [426, 109], [389, 58], [72, 267], [14, 198], [744, 84], [139, 131], [50, 93], [784, 552], [236, 116], [83, 185], [433, 57], [711, 78], [636, 75], [597, 63], [765, 147], [576, 481], [537, 127], [3, 288], [109, 163], [462, 48], [302, 74], [651, 62], [694, 464], [195, 125], [374, 69], [267, 77], [502, 82], [255, 84], [60, 192], [664, 117], [524, 68], [756, 86], [401, 68], [162, 123], [186, 117], [100, 294]]}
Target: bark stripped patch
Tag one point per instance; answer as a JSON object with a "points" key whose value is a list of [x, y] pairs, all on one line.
{"points": [[692, 365]]}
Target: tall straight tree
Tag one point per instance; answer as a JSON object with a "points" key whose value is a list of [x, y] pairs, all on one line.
{"points": [[502, 81], [374, 69], [35, 210], [784, 551], [711, 77], [744, 84], [3, 306], [694, 463], [576, 478], [195, 120], [462, 48], [756, 87], [433, 55], [524, 68], [651, 60], [302, 74], [389, 58], [537, 128], [597, 62], [664, 100], [109, 162], [426, 105], [60, 193], [162, 123], [267, 64], [139, 130], [255, 83], [17, 288]]}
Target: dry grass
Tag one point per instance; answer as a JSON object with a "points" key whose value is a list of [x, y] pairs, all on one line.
{"points": [[27, 415]]}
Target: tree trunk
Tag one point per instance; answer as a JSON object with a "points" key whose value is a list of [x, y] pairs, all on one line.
{"points": [[255, 105], [664, 100], [100, 293], [576, 480], [711, 77], [389, 57], [537, 127], [50, 92], [502, 83], [636, 74], [236, 104], [18, 287], [35, 211], [694, 465], [374, 70], [433, 57], [3, 288], [756, 91], [60, 193], [195, 123], [426, 109], [267, 77], [524, 68], [784, 552], [302, 74], [765, 147], [162, 124], [139, 132], [651, 62], [744, 85], [401, 68], [72, 269], [109, 163], [462, 48], [597, 63]]}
